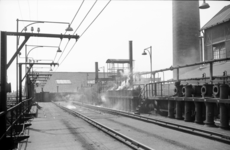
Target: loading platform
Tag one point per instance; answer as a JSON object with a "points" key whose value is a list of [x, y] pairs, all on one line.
{"points": [[55, 129]]}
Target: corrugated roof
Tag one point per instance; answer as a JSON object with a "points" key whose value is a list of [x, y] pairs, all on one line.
{"points": [[222, 16], [117, 61]]}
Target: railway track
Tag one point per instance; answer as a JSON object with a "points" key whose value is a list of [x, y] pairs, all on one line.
{"points": [[118, 136], [199, 132]]}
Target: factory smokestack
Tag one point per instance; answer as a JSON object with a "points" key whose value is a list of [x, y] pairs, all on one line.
{"points": [[131, 61], [186, 26], [96, 72]]}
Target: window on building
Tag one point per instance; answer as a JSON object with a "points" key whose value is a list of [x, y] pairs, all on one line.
{"points": [[63, 81], [219, 51]]}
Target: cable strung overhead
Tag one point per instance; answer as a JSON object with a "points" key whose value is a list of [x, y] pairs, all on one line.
{"points": [[86, 30], [79, 26], [70, 25], [85, 16]]}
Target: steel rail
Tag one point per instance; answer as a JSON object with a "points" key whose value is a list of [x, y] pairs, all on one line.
{"points": [[121, 137], [204, 133]]}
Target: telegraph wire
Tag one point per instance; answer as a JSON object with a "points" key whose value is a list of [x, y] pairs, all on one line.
{"points": [[79, 26], [68, 52], [29, 8], [85, 16], [20, 11], [66, 31], [86, 30], [77, 11], [95, 18]]}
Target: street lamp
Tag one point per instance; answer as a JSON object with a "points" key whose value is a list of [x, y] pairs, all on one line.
{"points": [[38, 30], [37, 46], [34, 47], [69, 28], [204, 5], [149, 50]]}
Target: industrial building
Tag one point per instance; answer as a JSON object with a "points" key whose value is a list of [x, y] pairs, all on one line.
{"points": [[198, 93]]}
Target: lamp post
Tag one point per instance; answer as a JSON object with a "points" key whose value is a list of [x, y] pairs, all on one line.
{"points": [[149, 50], [69, 28], [38, 30], [34, 47], [204, 5], [37, 46]]}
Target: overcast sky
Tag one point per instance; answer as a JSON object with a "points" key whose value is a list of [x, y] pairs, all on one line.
{"points": [[146, 23]]}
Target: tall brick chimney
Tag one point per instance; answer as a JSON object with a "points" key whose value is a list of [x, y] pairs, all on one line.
{"points": [[186, 26]]}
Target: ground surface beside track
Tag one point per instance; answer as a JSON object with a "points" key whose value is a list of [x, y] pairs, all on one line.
{"points": [[152, 135], [55, 129]]}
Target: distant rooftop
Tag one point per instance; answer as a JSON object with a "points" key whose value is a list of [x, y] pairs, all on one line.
{"points": [[118, 61], [222, 16]]}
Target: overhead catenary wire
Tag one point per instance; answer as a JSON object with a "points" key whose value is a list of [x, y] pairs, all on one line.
{"points": [[20, 11], [85, 16], [77, 12], [66, 31], [86, 30], [79, 26], [29, 8], [95, 18]]}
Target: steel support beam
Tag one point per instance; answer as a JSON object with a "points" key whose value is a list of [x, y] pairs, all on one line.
{"points": [[28, 35], [3, 82], [27, 72], [43, 35], [18, 51]]}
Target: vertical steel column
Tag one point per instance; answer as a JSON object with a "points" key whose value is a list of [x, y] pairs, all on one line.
{"points": [[3, 82], [177, 74], [179, 110], [171, 109], [161, 89], [187, 111], [201, 48], [155, 85], [20, 90], [224, 121], [198, 116], [209, 114], [17, 42], [211, 71]]}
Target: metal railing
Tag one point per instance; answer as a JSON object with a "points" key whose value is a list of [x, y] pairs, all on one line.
{"points": [[166, 88], [13, 116]]}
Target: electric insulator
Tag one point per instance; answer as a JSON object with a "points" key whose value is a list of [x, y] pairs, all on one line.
{"points": [[38, 29]]}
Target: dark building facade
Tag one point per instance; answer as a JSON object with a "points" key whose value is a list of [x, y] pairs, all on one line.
{"points": [[68, 82], [217, 35], [216, 45]]}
